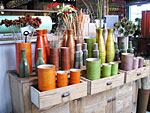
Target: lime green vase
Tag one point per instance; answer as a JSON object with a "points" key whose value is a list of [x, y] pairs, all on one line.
{"points": [[101, 45], [110, 46]]}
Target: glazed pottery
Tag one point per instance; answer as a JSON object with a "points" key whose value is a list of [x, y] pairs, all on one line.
{"points": [[110, 47], [135, 63], [125, 40], [62, 79], [46, 77], [93, 68], [40, 43], [122, 50], [65, 58], [114, 68], [27, 47], [23, 66], [95, 51], [117, 56], [85, 53], [54, 57], [47, 47], [90, 42], [130, 49], [71, 45], [106, 70], [65, 38], [127, 61], [101, 45], [74, 76], [141, 62], [40, 60]]}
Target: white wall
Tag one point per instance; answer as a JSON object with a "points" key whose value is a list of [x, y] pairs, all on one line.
{"points": [[7, 62]]}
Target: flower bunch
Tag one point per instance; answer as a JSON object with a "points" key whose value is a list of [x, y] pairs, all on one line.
{"points": [[23, 22]]}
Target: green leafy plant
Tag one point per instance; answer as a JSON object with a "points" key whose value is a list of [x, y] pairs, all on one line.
{"points": [[138, 25], [125, 28]]}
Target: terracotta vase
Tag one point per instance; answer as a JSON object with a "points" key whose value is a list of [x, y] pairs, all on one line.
{"points": [[27, 47], [74, 76], [47, 47], [65, 38], [46, 77], [110, 46], [40, 43], [62, 79], [101, 45], [54, 57], [71, 44]]}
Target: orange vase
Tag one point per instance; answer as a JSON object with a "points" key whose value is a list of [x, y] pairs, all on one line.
{"points": [[47, 47], [46, 77], [62, 79], [27, 47], [74, 76], [71, 44], [40, 43]]}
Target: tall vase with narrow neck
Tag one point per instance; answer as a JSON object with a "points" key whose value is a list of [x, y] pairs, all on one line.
{"points": [[40, 60], [101, 45], [110, 46], [47, 47], [40, 43], [71, 44], [65, 38], [130, 49], [23, 66]]}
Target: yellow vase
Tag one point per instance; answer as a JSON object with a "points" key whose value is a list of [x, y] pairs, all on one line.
{"points": [[101, 45], [110, 46]]}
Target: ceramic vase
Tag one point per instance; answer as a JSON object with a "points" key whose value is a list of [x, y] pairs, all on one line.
{"points": [[117, 57], [79, 41], [130, 49], [47, 47], [65, 38], [110, 47], [125, 40], [40, 60], [71, 44], [40, 43], [27, 47], [122, 50], [23, 66], [101, 45]]}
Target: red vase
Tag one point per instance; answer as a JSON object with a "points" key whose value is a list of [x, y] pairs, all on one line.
{"points": [[47, 47], [40, 43]]}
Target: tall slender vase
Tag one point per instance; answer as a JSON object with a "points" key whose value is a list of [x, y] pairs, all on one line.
{"points": [[130, 49], [27, 47], [71, 44], [65, 38], [23, 66], [117, 57], [110, 46], [40, 43], [47, 47], [101, 45]]}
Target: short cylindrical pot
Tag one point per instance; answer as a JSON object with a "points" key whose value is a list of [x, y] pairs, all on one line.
{"points": [[74, 76], [127, 61], [141, 62], [62, 79], [135, 63], [65, 58], [93, 68], [106, 70], [27, 47], [46, 77], [114, 68], [54, 57]]}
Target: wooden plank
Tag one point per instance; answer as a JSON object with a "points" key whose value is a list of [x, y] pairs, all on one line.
{"points": [[56, 96], [96, 86]]}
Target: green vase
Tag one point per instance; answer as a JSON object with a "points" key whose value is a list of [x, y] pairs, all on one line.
{"points": [[40, 60], [23, 66], [130, 49], [110, 46], [101, 45], [122, 50], [117, 57]]}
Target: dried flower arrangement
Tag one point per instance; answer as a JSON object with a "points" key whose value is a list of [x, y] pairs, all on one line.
{"points": [[22, 22], [125, 28]]}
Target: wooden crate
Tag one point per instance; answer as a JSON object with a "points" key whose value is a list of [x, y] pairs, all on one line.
{"points": [[59, 95], [100, 85], [136, 74], [20, 92]]}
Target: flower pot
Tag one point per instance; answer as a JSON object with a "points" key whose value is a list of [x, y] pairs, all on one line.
{"points": [[101, 45], [47, 47], [46, 77], [110, 47], [27, 47], [54, 57], [71, 44], [40, 43]]}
